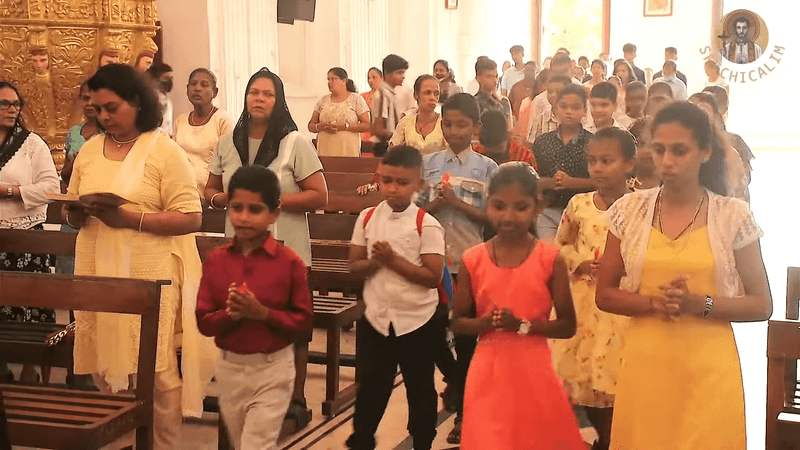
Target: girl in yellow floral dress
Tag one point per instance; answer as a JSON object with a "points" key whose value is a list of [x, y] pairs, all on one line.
{"points": [[588, 362]]}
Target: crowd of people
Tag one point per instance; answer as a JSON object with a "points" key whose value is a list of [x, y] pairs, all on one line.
{"points": [[595, 225]]}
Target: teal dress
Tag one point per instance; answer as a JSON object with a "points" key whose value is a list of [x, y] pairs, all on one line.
{"points": [[66, 264]]}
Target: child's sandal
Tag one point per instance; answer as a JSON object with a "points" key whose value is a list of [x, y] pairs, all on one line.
{"points": [[299, 413]]}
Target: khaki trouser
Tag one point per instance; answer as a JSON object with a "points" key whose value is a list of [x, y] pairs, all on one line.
{"points": [[254, 395]]}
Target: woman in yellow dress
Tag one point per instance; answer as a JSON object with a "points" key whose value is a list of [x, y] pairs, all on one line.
{"points": [[136, 240], [683, 262]]}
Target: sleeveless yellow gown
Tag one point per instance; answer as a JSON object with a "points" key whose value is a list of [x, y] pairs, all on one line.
{"points": [[680, 387]]}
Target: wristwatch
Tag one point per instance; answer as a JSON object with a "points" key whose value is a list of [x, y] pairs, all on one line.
{"points": [[709, 306], [10, 192], [524, 328]]}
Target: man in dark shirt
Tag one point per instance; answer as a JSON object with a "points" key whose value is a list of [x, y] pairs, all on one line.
{"points": [[487, 96], [629, 53], [670, 54]]}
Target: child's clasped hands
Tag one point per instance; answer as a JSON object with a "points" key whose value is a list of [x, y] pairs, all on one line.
{"points": [[243, 304]]}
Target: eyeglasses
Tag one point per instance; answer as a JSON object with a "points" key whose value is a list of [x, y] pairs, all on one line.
{"points": [[6, 105]]}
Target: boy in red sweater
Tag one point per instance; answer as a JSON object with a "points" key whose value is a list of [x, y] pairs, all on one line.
{"points": [[253, 299]]}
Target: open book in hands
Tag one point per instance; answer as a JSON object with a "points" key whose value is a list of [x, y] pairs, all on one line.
{"points": [[98, 200]]}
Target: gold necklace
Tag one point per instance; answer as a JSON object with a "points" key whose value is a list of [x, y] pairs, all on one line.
{"points": [[690, 227], [121, 143], [204, 121], [493, 247]]}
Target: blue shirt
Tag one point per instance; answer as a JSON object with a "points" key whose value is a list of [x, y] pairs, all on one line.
{"points": [[461, 232]]}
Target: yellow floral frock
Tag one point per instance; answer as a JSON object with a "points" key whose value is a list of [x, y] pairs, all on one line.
{"points": [[680, 387], [588, 362]]}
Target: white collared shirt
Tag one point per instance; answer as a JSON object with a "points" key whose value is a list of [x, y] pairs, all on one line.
{"points": [[391, 299]]}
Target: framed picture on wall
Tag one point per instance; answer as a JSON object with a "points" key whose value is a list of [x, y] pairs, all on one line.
{"points": [[450, 4], [656, 8]]}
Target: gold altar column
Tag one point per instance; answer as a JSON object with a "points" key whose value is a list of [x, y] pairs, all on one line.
{"points": [[48, 47]]}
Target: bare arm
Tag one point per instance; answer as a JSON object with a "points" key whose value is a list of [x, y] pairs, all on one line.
{"points": [[564, 325], [464, 321], [429, 274], [435, 205], [213, 187], [610, 298], [165, 223], [379, 129], [360, 127], [756, 303], [313, 195], [314, 122], [359, 264]]}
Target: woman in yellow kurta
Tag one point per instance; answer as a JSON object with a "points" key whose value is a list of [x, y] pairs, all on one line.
{"points": [[684, 262], [134, 240]]}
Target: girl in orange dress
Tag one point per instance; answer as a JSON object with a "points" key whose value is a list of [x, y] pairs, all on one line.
{"points": [[507, 287]]}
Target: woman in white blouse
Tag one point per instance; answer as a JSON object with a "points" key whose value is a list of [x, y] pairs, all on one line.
{"points": [[198, 132], [27, 174], [340, 117]]}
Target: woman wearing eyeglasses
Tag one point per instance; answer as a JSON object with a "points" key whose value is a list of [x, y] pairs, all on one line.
{"points": [[27, 173]]}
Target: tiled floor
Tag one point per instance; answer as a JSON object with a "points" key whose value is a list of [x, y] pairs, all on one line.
{"points": [[772, 187]]}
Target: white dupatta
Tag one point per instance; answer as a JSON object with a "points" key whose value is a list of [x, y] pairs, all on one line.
{"points": [[199, 354]]}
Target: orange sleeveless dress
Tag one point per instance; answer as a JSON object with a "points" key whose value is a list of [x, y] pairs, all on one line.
{"points": [[513, 398]]}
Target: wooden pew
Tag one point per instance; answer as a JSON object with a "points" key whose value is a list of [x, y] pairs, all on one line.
{"points": [[344, 175], [48, 417], [793, 293], [330, 245], [349, 164], [783, 389], [29, 338]]}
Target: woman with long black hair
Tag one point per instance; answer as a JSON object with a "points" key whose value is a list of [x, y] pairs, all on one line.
{"points": [[266, 135]]}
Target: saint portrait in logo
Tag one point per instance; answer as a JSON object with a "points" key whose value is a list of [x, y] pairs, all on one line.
{"points": [[743, 37]]}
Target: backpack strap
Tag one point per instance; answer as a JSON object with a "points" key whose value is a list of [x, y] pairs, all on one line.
{"points": [[368, 216], [420, 218]]}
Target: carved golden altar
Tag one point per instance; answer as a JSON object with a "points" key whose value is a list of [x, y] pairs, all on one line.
{"points": [[48, 47]]}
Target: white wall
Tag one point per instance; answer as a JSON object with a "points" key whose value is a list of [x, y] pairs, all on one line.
{"points": [[421, 31], [186, 44], [688, 30]]}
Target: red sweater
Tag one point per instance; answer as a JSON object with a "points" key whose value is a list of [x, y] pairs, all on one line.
{"points": [[277, 277]]}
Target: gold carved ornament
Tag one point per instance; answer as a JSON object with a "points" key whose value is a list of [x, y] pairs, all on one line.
{"points": [[49, 47]]}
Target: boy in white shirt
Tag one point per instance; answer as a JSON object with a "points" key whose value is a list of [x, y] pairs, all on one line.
{"points": [[399, 249]]}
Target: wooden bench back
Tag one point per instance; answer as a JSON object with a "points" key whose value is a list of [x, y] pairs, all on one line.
{"points": [[793, 293], [783, 352], [331, 227], [97, 294], [63, 244], [349, 164], [213, 221], [347, 182]]}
